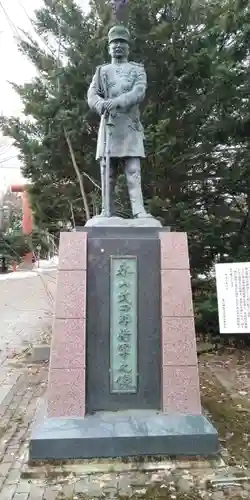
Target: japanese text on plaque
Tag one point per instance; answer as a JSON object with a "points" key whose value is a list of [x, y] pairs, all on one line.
{"points": [[233, 289], [123, 321]]}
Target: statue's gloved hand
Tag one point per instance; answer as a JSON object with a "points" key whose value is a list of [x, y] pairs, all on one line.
{"points": [[109, 105]]}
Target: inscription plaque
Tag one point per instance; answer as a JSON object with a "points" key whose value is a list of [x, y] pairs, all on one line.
{"points": [[123, 324], [233, 292]]}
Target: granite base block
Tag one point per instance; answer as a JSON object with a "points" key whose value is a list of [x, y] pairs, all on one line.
{"points": [[123, 434], [100, 221]]}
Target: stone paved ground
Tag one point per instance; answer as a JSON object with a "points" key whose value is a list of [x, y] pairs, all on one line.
{"points": [[26, 301], [25, 312], [18, 481], [26, 304]]}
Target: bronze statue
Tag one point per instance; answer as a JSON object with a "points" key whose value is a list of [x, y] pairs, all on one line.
{"points": [[115, 93]]}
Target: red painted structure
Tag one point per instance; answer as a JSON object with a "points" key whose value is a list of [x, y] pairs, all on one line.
{"points": [[27, 223]]}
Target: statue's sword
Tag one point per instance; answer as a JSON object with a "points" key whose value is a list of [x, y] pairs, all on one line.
{"points": [[106, 152]]}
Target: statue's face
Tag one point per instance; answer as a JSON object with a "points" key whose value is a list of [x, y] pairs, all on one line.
{"points": [[119, 49]]}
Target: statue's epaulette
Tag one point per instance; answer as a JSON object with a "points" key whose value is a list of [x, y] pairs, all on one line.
{"points": [[141, 65], [103, 65]]}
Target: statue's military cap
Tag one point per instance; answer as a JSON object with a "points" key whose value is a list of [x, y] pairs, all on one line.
{"points": [[119, 32]]}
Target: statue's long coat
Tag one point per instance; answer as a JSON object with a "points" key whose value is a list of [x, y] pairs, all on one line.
{"points": [[129, 81]]}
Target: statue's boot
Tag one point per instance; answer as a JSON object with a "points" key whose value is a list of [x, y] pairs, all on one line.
{"points": [[133, 174], [111, 191]]}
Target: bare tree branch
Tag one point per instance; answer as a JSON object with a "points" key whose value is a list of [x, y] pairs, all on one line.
{"points": [[78, 174]]}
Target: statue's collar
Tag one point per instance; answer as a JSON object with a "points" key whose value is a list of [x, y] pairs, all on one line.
{"points": [[119, 63]]}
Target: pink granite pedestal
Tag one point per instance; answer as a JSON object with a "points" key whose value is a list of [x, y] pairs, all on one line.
{"points": [[173, 424], [180, 380], [66, 384]]}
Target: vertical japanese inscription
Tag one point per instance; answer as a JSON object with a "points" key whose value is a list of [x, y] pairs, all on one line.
{"points": [[233, 288], [123, 324]]}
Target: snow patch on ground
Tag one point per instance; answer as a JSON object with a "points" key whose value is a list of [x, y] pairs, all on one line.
{"points": [[39, 268]]}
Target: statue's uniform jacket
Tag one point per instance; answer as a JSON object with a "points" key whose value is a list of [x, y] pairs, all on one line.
{"points": [[128, 82]]}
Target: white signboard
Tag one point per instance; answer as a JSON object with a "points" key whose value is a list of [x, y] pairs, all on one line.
{"points": [[233, 292]]}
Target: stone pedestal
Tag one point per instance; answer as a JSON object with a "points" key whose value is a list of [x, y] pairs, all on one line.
{"points": [[123, 378]]}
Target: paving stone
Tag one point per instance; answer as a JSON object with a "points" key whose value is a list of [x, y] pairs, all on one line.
{"points": [[36, 492], [8, 458], [9, 394], [5, 389], [8, 492], [4, 469], [2, 482], [23, 486], [21, 496], [93, 490], [124, 486], [233, 492], [50, 494], [245, 495], [218, 495], [108, 481], [137, 478], [4, 421], [17, 464], [68, 490], [13, 447], [184, 485], [20, 435], [82, 486], [13, 476]]}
